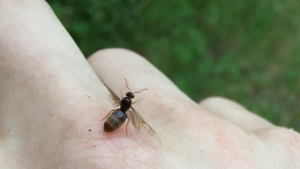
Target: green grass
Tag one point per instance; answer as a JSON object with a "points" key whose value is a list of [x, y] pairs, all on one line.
{"points": [[247, 50]]}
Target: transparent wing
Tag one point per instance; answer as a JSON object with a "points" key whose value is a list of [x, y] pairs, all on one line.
{"points": [[114, 97], [145, 131], [138, 121]]}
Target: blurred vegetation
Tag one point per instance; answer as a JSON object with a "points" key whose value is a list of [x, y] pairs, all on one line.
{"points": [[247, 51]]}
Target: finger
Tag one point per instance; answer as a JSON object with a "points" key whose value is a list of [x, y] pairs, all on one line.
{"points": [[113, 65], [37, 52], [49, 95], [235, 113], [162, 103]]}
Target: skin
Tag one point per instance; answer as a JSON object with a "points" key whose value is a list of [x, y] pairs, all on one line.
{"points": [[51, 96]]}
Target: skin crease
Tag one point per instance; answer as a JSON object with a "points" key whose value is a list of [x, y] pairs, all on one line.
{"points": [[50, 97]]}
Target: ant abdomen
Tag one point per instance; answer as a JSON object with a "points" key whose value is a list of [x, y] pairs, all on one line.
{"points": [[115, 120]]}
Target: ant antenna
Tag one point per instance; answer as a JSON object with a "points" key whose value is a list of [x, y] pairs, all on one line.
{"points": [[141, 90], [134, 92], [127, 84]]}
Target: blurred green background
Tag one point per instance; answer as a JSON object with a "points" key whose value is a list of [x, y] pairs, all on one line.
{"points": [[247, 50]]}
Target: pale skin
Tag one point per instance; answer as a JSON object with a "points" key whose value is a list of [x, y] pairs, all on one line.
{"points": [[51, 96]]}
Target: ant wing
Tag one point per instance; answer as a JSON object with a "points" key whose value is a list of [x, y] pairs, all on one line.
{"points": [[115, 98], [145, 131]]}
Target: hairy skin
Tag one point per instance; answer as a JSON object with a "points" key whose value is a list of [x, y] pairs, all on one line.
{"points": [[52, 100]]}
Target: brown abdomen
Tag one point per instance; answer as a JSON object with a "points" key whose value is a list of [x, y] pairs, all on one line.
{"points": [[114, 120]]}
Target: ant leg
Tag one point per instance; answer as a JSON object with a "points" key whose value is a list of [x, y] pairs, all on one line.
{"points": [[108, 114], [141, 90], [121, 93], [127, 84], [135, 102], [127, 126]]}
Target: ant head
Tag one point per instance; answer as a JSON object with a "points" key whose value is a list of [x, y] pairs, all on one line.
{"points": [[130, 95]]}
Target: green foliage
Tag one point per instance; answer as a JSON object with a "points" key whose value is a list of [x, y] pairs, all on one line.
{"points": [[243, 50]]}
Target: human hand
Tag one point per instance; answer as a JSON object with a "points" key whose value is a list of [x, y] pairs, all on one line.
{"points": [[50, 97]]}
